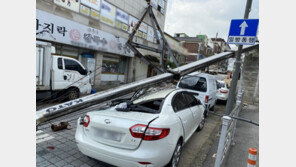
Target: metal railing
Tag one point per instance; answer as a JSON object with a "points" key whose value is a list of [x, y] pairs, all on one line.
{"points": [[228, 130]]}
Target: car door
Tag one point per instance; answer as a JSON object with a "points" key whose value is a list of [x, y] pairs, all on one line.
{"points": [[184, 113], [74, 72], [58, 81], [195, 109]]}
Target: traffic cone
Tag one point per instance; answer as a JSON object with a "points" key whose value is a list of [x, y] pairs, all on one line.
{"points": [[252, 157]]}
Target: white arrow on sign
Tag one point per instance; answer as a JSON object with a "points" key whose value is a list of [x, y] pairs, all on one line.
{"points": [[243, 27]]}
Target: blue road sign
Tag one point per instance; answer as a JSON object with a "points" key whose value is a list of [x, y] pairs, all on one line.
{"points": [[243, 31]]}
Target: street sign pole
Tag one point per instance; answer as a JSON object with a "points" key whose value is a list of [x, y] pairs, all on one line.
{"points": [[231, 97]]}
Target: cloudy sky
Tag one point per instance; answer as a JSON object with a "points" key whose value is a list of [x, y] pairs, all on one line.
{"points": [[205, 16]]}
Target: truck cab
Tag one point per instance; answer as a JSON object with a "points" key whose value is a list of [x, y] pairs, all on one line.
{"points": [[59, 75]]}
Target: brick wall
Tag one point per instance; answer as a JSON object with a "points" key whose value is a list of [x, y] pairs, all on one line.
{"points": [[191, 47]]}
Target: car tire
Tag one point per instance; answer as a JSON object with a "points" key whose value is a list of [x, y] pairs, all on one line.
{"points": [[73, 94], [212, 108], [206, 113], [176, 155], [201, 124]]}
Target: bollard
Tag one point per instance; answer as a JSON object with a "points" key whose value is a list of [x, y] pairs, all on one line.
{"points": [[252, 157]]}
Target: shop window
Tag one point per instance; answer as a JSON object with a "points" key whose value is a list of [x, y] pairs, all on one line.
{"points": [[73, 65], [113, 66]]}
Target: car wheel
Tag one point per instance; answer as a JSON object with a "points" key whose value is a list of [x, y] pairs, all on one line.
{"points": [[176, 155], [201, 124], [73, 94], [212, 108], [206, 113]]}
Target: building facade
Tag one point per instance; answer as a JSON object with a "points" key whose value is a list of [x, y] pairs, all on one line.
{"points": [[95, 32]]}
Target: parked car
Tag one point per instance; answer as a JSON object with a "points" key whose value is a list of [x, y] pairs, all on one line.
{"points": [[223, 91], [147, 131], [205, 87]]}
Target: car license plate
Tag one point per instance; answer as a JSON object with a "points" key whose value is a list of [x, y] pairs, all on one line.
{"points": [[109, 135]]}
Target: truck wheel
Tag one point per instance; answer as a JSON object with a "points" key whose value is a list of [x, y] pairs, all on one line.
{"points": [[73, 94]]}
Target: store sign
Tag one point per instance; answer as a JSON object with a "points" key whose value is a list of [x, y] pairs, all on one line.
{"points": [[95, 14], [118, 24], [144, 36], [95, 4], [161, 3], [154, 3], [84, 10], [57, 29], [150, 34], [69, 4], [108, 12], [132, 21], [143, 27], [121, 16], [124, 27]]}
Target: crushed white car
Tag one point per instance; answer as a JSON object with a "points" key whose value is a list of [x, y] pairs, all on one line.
{"points": [[146, 130]]}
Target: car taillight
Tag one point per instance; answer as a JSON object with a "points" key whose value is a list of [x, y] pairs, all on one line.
{"points": [[144, 163], [138, 130], [223, 91], [86, 120], [207, 99]]}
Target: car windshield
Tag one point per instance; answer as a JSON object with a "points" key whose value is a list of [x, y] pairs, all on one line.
{"points": [[151, 106], [194, 83], [220, 85], [144, 100]]}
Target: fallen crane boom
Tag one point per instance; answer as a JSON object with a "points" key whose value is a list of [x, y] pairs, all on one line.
{"points": [[84, 102]]}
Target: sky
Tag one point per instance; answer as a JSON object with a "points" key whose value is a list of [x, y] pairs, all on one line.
{"points": [[205, 16]]}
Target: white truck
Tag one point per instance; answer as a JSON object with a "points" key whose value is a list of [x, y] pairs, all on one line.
{"points": [[59, 76]]}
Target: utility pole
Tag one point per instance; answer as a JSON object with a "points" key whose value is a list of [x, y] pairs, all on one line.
{"points": [[231, 98]]}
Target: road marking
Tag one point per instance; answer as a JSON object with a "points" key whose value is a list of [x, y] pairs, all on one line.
{"points": [[42, 137]]}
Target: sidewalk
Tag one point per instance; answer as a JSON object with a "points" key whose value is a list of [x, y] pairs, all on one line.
{"points": [[247, 135]]}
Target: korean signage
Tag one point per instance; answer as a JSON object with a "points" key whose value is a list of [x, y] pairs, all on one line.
{"points": [[121, 16], [143, 27], [57, 29], [69, 4], [108, 12], [84, 10], [95, 14], [132, 21], [95, 4], [154, 3], [243, 31], [150, 34], [161, 3]]}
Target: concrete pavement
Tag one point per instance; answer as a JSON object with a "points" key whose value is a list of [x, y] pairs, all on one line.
{"points": [[247, 135]]}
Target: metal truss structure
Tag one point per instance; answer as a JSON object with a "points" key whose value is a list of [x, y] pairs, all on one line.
{"points": [[163, 46]]}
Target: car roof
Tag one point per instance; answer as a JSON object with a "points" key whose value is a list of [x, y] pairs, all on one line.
{"points": [[201, 74], [155, 95]]}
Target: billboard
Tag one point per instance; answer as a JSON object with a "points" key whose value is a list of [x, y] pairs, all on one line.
{"points": [[95, 4], [50, 27], [69, 4], [121, 16], [150, 34], [108, 12], [84, 10]]}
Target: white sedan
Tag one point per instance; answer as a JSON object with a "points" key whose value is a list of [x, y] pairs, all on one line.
{"points": [[223, 91], [147, 131]]}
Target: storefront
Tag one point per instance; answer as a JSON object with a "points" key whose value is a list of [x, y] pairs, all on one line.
{"points": [[86, 44]]}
